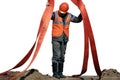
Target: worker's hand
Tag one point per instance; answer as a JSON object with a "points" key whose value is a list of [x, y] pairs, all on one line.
{"points": [[47, 4]]}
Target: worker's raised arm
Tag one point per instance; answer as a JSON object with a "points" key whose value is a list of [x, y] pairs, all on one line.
{"points": [[76, 19]]}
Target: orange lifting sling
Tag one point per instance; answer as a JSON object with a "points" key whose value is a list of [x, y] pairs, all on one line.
{"points": [[88, 38]]}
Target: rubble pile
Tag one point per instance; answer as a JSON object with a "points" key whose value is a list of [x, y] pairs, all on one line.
{"points": [[110, 73], [33, 74]]}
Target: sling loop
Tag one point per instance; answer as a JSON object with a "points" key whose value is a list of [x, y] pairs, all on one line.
{"points": [[88, 38], [40, 36]]}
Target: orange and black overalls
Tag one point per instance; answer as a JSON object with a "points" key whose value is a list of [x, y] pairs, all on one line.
{"points": [[60, 36]]}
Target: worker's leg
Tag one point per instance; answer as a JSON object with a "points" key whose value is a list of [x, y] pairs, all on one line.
{"points": [[62, 59], [56, 58]]}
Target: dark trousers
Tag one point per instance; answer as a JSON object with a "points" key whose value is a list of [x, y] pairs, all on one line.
{"points": [[59, 48]]}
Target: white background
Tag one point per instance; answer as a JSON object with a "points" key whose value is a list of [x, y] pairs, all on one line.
{"points": [[19, 23]]}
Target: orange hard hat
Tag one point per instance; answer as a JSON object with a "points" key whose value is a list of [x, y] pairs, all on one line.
{"points": [[64, 7]]}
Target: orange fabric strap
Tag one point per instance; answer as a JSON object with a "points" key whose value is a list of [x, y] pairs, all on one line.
{"points": [[88, 38], [40, 36]]}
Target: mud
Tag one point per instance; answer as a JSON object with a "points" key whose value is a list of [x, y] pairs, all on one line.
{"points": [[33, 74]]}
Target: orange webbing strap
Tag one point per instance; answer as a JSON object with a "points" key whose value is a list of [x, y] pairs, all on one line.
{"points": [[40, 36], [43, 28], [88, 38], [27, 56]]}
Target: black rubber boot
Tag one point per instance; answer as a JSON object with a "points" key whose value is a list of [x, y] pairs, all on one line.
{"points": [[55, 70], [61, 70]]}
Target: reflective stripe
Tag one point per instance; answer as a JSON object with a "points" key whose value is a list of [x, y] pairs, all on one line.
{"points": [[57, 22], [67, 23], [56, 17]]}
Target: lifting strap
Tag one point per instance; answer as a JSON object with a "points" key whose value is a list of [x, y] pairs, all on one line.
{"points": [[46, 17], [88, 38]]}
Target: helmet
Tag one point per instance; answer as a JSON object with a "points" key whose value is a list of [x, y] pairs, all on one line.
{"points": [[64, 7]]}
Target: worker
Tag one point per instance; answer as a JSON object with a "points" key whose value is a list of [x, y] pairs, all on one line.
{"points": [[60, 36]]}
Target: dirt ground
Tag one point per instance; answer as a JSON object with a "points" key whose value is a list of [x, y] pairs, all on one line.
{"points": [[33, 74]]}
